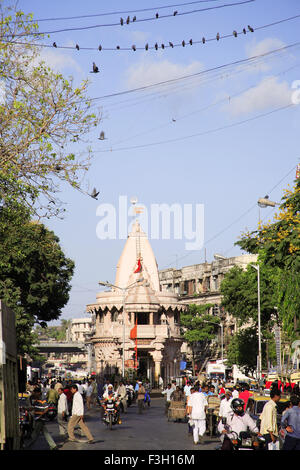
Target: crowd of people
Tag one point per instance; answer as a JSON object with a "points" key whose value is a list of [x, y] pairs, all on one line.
{"points": [[235, 412]]}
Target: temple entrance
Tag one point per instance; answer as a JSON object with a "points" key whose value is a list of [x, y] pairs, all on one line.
{"points": [[146, 366]]}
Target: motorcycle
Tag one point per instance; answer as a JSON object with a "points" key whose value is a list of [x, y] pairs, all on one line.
{"points": [[111, 412], [245, 440], [52, 411], [130, 396]]}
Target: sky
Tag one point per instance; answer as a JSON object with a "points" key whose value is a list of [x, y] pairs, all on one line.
{"points": [[218, 139]]}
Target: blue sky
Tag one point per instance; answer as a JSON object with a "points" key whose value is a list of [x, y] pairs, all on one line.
{"points": [[226, 170]]}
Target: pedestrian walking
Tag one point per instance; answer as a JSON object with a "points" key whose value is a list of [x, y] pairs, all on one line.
{"points": [[62, 413], [52, 395], [197, 406], [225, 405], [89, 393], [190, 421], [140, 397], [77, 417], [268, 418], [290, 421], [122, 393], [168, 392]]}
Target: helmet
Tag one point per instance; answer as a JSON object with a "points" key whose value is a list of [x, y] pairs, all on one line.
{"points": [[237, 406]]}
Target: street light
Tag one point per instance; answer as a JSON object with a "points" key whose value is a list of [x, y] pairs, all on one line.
{"points": [[124, 290]]}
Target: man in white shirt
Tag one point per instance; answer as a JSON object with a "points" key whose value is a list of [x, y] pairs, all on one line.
{"points": [[196, 408], [237, 421], [187, 389], [168, 392], [235, 393], [88, 394], [225, 405], [62, 413], [77, 417]]}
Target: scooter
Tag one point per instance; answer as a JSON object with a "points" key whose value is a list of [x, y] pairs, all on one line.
{"points": [[245, 440]]}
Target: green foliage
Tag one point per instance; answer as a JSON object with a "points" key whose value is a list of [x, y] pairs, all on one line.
{"points": [[34, 272], [41, 117]]}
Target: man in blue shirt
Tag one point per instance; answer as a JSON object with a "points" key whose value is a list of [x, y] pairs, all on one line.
{"points": [[291, 422]]}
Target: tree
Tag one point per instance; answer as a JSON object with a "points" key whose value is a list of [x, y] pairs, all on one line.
{"points": [[34, 273], [42, 117], [278, 247], [197, 328]]}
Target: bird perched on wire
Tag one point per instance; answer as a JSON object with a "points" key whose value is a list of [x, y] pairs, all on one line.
{"points": [[175, 13], [203, 40], [244, 30], [54, 44], [134, 18], [121, 21], [95, 68], [235, 34], [156, 46], [162, 46], [157, 15], [218, 36], [77, 47], [147, 46], [133, 47], [118, 47], [128, 20], [100, 47], [94, 194], [171, 44], [183, 43], [191, 42], [250, 29], [102, 136]]}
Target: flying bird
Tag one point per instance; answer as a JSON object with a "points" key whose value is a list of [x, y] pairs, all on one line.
{"points": [[94, 193], [77, 47], [250, 29], [54, 44], [95, 68], [235, 34], [218, 36], [171, 44]]}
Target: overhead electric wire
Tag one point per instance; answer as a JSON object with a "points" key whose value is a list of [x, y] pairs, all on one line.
{"points": [[122, 12], [211, 105], [163, 46], [199, 134], [235, 221], [195, 74], [84, 28]]}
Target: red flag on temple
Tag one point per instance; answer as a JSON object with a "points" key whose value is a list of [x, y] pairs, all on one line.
{"points": [[139, 266], [133, 335]]}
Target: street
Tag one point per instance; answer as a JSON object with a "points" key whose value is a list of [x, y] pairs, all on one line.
{"points": [[149, 431]]}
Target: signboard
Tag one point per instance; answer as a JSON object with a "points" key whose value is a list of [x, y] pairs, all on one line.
{"points": [[278, 347], [182, 365]]}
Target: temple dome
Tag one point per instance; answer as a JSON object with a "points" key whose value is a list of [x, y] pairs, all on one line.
{"points": [[137, 248]]}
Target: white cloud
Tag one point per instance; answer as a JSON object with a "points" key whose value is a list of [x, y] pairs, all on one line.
{"points": [[263, 47], [149, 72], [58, 60], [268, 94]]}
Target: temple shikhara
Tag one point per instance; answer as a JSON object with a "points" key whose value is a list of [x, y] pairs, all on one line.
{"points": [[150, 333]]}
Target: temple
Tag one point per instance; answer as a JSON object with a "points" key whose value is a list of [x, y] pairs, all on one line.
{"points": [[136, 317]]}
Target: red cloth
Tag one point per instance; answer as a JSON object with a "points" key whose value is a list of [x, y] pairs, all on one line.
{"points": [[245, 396]]}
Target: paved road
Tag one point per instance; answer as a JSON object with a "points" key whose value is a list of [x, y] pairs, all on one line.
{"points": [[149, 431]]}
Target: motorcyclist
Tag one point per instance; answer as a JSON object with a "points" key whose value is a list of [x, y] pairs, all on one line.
{"points": [[109, 394], [236, 421]]}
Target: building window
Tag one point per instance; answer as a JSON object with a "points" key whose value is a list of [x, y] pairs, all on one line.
{"points": [[142, 318]]}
